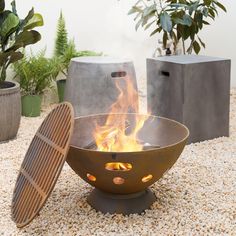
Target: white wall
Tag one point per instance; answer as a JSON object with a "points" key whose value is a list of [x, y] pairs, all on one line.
{"points": [[104, 26]]}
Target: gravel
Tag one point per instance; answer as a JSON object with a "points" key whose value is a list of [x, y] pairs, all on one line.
{"points": [[196, 197]]}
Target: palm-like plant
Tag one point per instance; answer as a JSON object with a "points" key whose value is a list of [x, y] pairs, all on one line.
{"points": [[15, 34], [35, 73]]}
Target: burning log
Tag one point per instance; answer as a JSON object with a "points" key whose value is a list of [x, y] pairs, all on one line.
{"points": [[146, 146], [118, 166]]}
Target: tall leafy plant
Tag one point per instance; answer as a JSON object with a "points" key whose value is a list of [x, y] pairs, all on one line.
{"points": [[71, 52], [61, 42], [35, 73], [15, 34], [178, 20], [65, 48]]}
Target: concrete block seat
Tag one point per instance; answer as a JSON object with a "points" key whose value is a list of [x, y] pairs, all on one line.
{"points": [[194, 90], [91, 83]]}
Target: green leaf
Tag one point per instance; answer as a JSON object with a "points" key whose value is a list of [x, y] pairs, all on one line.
{"points": [[4, 57], [183, 31], [2, 5], [15, 56], [173, 36], [198, 17], [137, 16], [196, 47], [190, 48], [205, 12], [147, 18], [220, 6], [3, 16], [193, 7], [165, 38], [158, 30], [205, 22], [138, 24], [134, 9], [10, 57], [207, 2], [178, 5], [187, 20], [13, 6], [166, 22], [87, 53], [149, 24], [35, 21], [211, 12], [28, 37], [137, 2], [149, 10], [9, 24], [25, 38], [203, 44], [193, 31], [178, 21], [27, 18], [214, 9]]}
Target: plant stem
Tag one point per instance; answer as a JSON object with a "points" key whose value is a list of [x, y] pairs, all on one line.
{"points": [[161, 4], [183, 46], [3, 74]]}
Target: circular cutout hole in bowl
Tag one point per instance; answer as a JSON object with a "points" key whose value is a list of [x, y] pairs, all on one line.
{"points": [[147, 178], [118, 180], [91, 177], [118, 166]]}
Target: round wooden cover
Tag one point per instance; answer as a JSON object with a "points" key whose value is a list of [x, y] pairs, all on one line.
{"points": [[42, 164]]}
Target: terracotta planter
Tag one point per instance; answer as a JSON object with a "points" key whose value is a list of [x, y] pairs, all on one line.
{"points": [[10, 108]]}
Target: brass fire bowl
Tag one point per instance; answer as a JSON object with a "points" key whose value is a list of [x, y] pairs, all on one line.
{"points": [[126, 191]]}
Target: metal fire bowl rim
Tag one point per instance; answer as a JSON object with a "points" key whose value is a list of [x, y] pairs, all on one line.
{"points": [[140, 114]]}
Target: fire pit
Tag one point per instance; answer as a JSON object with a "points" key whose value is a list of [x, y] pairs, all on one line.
{"points": [[121, 179], [121, 154]]}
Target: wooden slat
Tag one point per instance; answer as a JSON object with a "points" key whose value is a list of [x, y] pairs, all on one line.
{"points": [[42, 164]]}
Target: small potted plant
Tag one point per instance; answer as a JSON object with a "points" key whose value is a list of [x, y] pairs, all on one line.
{"points": [[64, 51], [15, 34], [35, 74], [179, 21]]}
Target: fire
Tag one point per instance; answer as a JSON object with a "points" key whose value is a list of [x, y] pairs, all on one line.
{"points": [[116, 135]]}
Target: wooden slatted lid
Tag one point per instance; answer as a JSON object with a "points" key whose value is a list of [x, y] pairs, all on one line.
{"points": [[42, 164]]}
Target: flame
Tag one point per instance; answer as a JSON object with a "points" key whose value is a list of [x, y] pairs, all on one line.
{"points": [[115, 135], [118, 166]]}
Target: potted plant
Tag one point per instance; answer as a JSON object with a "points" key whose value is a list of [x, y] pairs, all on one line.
{"points": [[64, 51], [15, 34], [178, 20], [35, 74]]}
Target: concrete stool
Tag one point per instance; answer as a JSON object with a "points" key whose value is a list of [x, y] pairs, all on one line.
{"points": [[90, 85], [194, 90]]}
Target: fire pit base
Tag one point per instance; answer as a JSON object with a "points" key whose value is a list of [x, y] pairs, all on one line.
{"points": [[122, 204]]}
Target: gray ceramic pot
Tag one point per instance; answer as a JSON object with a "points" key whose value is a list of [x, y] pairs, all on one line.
{"points": [[10, 110]]}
